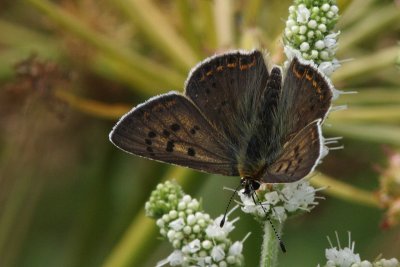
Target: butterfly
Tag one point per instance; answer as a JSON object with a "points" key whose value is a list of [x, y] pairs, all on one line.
{"points": [[235, 118]]}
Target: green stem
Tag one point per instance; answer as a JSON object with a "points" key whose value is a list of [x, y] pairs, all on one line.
{"points": [[381, 134], [381, 19], [355, 12], [223, 13], [208, 24], [366, 65], [270, 247], [158, 29], [138, 65], [371, 96], [188, 26], [251, 12], [345, 191], [379, 114]]}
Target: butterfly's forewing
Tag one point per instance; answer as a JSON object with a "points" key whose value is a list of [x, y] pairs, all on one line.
{"points": [[227, 88], [299, 156], [170, 128], [306, 97]]}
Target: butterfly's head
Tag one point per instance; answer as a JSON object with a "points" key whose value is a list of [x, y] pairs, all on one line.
{"points": [[250, 185]]}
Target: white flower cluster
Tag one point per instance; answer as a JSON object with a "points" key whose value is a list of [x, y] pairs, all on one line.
{"points": [[198, 240], [309, 29], [280, 200], [345, 257]]}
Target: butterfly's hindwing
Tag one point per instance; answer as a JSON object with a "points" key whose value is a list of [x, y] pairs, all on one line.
{"points": [[299, 156], [171, 129]]}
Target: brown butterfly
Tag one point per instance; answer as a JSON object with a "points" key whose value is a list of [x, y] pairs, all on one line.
{"points": [[235, 118]]}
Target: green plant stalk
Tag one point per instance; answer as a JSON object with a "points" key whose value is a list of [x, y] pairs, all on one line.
{"points": [[158, 29], [383, 18], [379, 114], [223, 13], [370, 96], [270, 247], [355, 12], [113, 69], [208, 24], [345, 191], [381, 134], [140, 235], [249, 39], [135, 63], [251, 12], [188, 27], [366, 65]]}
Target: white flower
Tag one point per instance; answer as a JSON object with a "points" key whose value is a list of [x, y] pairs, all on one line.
{"points": [[310, 27], [174, 259], [197, 239], [330, 40], [280, 201], [342, 257], [217, 253], [236, 248], [346, 257], [177, 225], [303, 14], [328, 67], [214, 230], [304, 46], [271, 198], [192, 247]]}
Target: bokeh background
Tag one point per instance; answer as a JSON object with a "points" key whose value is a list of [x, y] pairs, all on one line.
{"points": [[69, 69]]}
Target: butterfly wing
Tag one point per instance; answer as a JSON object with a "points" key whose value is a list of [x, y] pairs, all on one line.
{"points": [[299, 157], [306, 96], [171, 129], [303, 104], [226, 88]]}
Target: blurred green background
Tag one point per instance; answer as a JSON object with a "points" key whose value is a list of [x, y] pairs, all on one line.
{"points": [[69, 69]]}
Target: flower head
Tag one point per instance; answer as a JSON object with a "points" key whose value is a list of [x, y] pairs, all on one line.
{"points": [[197, 239], [346, 257], [309, 30], [280, 200]]}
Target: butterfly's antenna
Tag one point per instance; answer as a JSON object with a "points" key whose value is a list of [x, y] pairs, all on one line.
{"points": [[281, 244], [221, 224]]}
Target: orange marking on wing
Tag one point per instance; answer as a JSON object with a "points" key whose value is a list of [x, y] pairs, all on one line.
{"points": [[298, 74], [231, 65], [247, 66], [314, 83], [220, 68], [209, 73]]}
